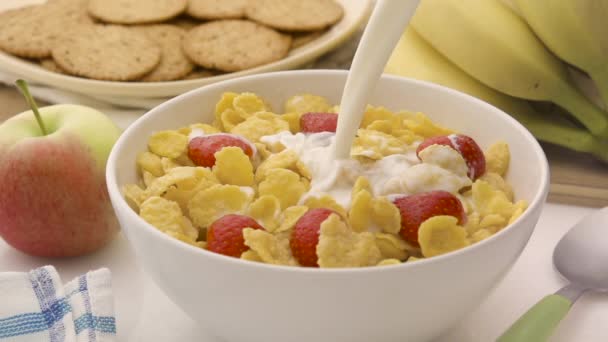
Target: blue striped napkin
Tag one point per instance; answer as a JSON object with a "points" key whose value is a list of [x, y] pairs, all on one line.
{"points": [[36, 306]]}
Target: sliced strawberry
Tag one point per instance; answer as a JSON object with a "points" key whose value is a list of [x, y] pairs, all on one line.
{"points": [[417, 208], [225, 235], [305, 236], [466, 146], [318, 122], [201, 150]]}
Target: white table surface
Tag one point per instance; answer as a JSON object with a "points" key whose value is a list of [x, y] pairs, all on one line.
{"points": [[144, 313]]}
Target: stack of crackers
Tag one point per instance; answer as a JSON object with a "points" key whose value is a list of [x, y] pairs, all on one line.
{"points": [[162, 40]]}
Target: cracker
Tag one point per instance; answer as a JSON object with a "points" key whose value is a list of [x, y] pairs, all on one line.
{"points": [[110, 53], [136, 11], [303, 38], [50, 65], [217, 9], [200, 73], [233, 45], [173, 62], [32, 31], [295, 15], [185, 22]]}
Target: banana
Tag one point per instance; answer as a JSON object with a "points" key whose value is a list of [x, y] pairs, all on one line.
{"points": [[575, 31], [413, 57], [494, 45]]}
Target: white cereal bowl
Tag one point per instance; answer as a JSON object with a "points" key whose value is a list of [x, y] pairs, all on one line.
{"points": [[241, 301]]}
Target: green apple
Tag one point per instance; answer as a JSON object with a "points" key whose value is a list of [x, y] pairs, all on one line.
{"points": [[53, 196]]}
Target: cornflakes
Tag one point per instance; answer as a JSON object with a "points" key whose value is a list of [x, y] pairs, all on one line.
{"points": [[306, 103], [168, 144], [421, 125], [359, 214], [376, 145], [387, 262], [498, 158], [259, 125], [441, 234], [293, 120], [150, 162], [499, 183], [283, 184], [272, 249], [286, 159], [212, 203], [266, 210], [134, 195], [339, 246], [166, 216], [391, 246], [386, 215], [232, 166], [230, 118], [290, 217], [325, 201], [249, 103], [168, 164]]}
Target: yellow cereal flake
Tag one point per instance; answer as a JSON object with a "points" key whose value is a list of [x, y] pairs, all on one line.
{"points": [[134, 195], [249, 104], [148, 178], [290, 217], [185, 188], [421, 125], [441, 234], [168, 164], [493, 220], [339, 246], [325, 201], [305, 103], [472, 224], [479, 235], [388, 262], [286, 159], [166, 216], [150, 162], [212, 203], [413, 258], [259, 125], [520, 207], [262, 151], [230, 118], [376, 145], [283, 184], [183, 176], [233, 166], [373, 114], [488, 200], [251, 255], [184, 160], [499, 183], [446, 158], [187, 239], [391, 246], [293, 120], [359, 215], [201, 127], [226, 102], [385, 215], [272, 249], [384, 126], [267, 211], [361, 183], [498, 158], [168, 144]]}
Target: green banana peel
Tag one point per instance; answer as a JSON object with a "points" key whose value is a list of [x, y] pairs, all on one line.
{"points": [[415, 58]]}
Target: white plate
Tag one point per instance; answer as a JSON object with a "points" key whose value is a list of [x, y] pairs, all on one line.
{"points": [[355, 11]]}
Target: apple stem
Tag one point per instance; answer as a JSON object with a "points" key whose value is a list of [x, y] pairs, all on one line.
{"points": [[22, 85]]}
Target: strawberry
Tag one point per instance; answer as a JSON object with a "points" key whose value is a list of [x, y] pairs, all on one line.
{"points": [[318, 122], [225, 235], [305, 236], [466, 146], [417, 208], [201, 150]]}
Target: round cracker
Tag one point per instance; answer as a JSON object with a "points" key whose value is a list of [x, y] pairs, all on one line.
{"points": [[303, 38], [111, 53], [295, 15], [200, 73], [233, 45], [50, 65], [173, 62], [32, 31], [184, 22], [136, 11], [216, 9]]}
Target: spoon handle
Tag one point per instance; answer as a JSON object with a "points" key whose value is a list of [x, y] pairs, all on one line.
{"points": [[385, 27], [537, 324]]}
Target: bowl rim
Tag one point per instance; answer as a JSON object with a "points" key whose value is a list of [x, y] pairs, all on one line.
{"points": [[118, 200]]}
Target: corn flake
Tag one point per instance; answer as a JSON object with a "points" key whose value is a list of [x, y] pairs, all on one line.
{"points": [[212, 203], [170, 144], [520, 207], [201, 127], [480, 235], [421, 125], [168, 164], [388, 262], [391, 246], [249, 104], [361, 183], [150, 162], [488, 200], [251, 255], [259, 125], [325, 201], [339, 246], [286, 159], [134, 195], [262, 151], [226, 102], [266, 210], [283, 184], [148, 178], [233, 166], [293, 120], [385, 215], [272, 249], [498, 158], [230, 118], [376, 145], [166, 216], [441, 234], [359, 215], [290, 217], [187, 239], [373, 114], [445, 157], [499, 183], [306, 103]]}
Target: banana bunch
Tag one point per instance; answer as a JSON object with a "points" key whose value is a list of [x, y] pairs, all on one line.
{"points": [[486, 49]]}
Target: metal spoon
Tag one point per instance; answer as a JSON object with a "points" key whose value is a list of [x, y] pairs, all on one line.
{"points": [[581, 256]]}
